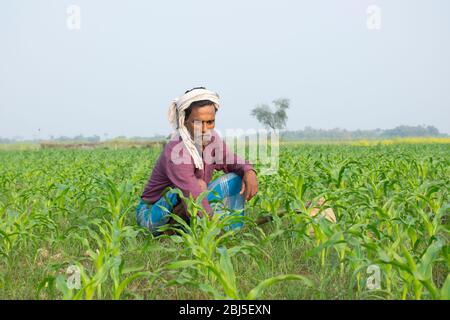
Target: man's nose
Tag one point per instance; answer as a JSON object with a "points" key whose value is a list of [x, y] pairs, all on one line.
{"points": [[204, 127]]}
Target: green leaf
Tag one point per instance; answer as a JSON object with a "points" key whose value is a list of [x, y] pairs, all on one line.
{"points": [[227, 267], [336, 239], [257, 291], [445, 290], [183, 264], [424, 269], [127, 281]]}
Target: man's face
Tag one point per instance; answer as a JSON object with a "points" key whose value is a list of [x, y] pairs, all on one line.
{"points": [[200, 124]]}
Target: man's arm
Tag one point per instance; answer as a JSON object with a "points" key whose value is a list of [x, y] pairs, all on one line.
{"points": [[231, 162]]}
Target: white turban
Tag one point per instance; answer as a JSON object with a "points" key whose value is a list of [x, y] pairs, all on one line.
{"points": [[177, 117]]}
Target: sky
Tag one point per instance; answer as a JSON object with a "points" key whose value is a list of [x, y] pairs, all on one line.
{"points": [[112, 67]]}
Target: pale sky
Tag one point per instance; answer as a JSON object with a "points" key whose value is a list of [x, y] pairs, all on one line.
{"points": [[118, 73]]}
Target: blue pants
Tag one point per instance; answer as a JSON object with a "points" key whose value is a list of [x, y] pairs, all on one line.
{"points": [[227, 188]]}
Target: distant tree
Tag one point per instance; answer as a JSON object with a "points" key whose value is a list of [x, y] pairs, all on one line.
{"points": [[342, 134], [94, 138], [272, 119], [411, 131], [433, 131]]}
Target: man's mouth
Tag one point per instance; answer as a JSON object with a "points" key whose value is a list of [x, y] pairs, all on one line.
{"points": [[206, 139], [203, 139]]}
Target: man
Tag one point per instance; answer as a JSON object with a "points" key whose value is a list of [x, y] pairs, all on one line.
{"points": [[188, 161]]}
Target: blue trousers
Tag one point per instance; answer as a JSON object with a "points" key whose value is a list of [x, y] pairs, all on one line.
{"points": [[227, 198]]}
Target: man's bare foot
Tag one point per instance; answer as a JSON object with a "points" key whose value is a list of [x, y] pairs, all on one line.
{"points": [[327, 213]]}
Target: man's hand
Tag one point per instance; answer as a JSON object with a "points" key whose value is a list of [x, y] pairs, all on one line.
{"points": [[249, 185]]}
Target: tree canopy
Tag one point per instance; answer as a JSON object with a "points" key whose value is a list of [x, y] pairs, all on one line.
{"points": [[272, 119]]}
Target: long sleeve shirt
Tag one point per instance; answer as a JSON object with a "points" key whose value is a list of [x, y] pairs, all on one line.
{"points": [[175, 168]]}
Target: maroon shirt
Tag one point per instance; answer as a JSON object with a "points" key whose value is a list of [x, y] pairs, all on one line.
{"points": [[172, 171]]}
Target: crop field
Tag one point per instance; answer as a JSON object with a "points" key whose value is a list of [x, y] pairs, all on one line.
{"points": [[68, 228]]}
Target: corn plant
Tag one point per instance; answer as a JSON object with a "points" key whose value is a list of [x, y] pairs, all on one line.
{"points": [[209, 259]]}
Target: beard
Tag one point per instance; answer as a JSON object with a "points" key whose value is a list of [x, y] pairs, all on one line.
{"points": [[203, 140], [206, 138]]}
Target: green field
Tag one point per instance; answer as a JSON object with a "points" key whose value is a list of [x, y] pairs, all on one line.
{"points": [[61, 208]]}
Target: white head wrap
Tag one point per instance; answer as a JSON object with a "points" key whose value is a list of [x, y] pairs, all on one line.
{"points": [[177, 118]]}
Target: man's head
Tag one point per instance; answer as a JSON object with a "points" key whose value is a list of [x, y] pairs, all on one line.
{"points": [[200, 120]]}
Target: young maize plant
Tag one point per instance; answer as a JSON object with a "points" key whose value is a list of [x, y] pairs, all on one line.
{"points": [[109, 235], [207, 261], [416, 272]]}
